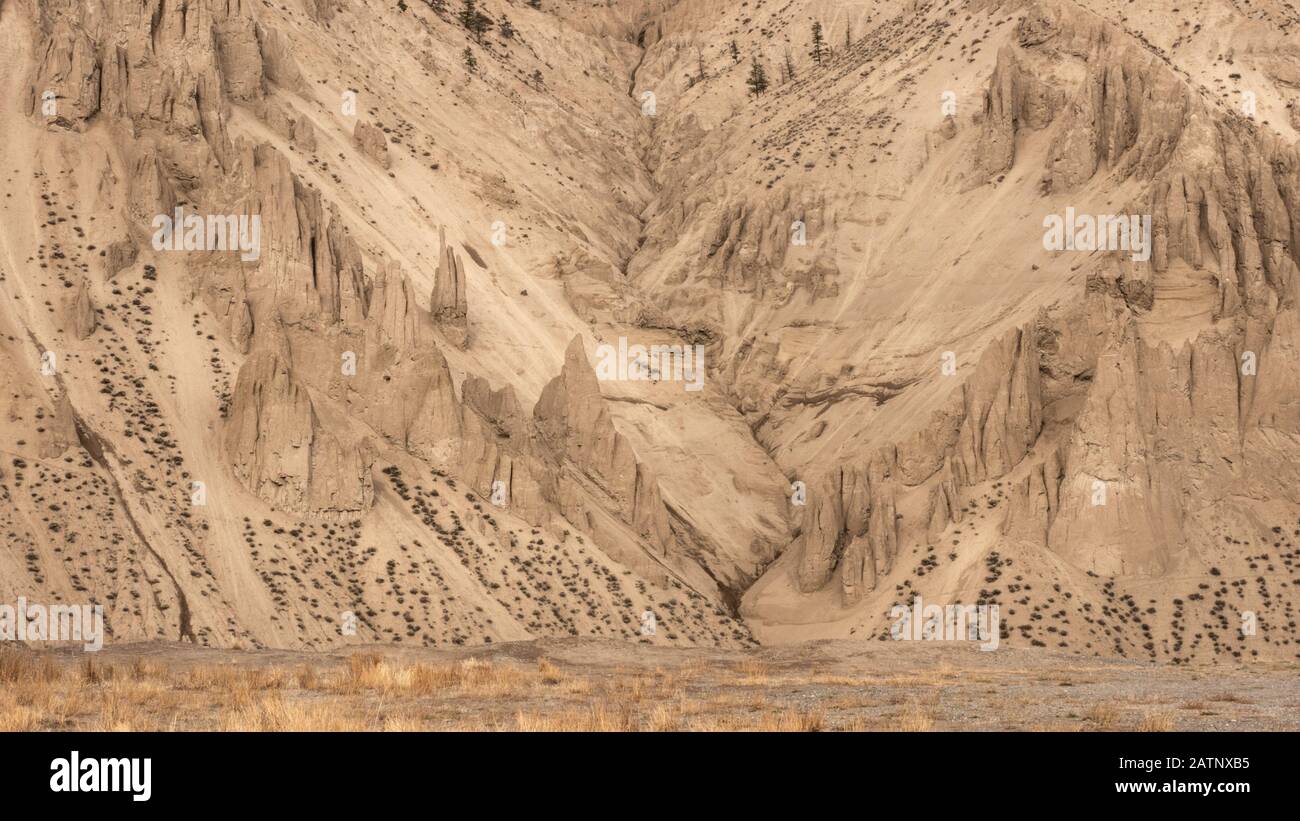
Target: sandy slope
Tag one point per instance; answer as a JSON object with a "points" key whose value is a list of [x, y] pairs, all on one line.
{"points": [[574, 211]]}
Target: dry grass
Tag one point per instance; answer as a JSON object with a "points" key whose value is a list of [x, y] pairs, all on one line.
{"points": [[373, 691], [549, 672], [753, 673], [1055, 728], [598, 718], [369, 673], [664, 719], [144, 695], [915, 718], [15, 718], [16, 666], [782, 721], [1159, 722], [404, 724], [1105, 716], [305, 677], [273, 713], [794, 721], [1230, 698]]}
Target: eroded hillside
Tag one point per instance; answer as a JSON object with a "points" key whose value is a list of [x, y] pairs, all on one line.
{"points": [[390, 408]]}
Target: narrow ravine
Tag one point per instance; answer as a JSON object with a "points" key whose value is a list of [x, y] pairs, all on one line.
{"points": [[97, 448], [642, 154]]}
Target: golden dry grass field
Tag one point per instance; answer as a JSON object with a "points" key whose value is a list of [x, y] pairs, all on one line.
{"points": [[589, 685]]}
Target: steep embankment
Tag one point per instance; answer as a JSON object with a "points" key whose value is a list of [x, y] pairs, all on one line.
{"points": [[389, 417]]}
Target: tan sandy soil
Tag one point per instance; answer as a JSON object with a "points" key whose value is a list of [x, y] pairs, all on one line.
{"points": [[393, 415]]}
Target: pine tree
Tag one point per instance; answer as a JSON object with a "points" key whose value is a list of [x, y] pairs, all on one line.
{"points": [[818, 44], [698, 77], [507, 29], [474, 20], [735, 51], [401, 5], [537, 4], [848, 35], [789, 66], [471, 62], [757, 81], [537, 77]]}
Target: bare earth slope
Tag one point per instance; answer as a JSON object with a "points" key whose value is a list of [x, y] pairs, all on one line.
{"points": [[393, 410]]}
